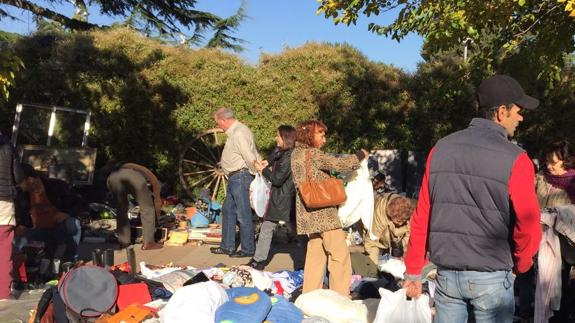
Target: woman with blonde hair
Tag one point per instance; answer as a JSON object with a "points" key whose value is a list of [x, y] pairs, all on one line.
{"points": [[326, 238]]}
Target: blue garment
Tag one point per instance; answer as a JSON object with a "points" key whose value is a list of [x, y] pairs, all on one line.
{"points": [[283, 311], [245, 305], [489, 294], [237, 209]]}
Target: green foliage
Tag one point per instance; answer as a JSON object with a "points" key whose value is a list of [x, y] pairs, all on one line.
{"points": [[535, 33], [444, 101], [10, 64], [149, 99]]}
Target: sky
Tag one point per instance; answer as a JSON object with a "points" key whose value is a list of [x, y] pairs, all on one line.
{"points": [[273, 25]]}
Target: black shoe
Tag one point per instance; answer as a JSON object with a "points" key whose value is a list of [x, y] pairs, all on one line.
{"points": [[241, 254], [220, 251], [259, 265]]}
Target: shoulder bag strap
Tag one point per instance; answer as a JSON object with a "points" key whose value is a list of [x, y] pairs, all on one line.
{"points": [[307, 164]]}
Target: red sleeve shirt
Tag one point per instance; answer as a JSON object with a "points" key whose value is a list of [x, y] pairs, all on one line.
{"points": [[418, 230], [526, 232]]}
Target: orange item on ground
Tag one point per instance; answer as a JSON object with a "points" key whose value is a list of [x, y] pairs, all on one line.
{"points": [[190, 211], [132, 314]]}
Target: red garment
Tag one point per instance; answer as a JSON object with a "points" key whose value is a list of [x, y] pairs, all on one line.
{"points": [[526, 232], [43, 213], [6, 237]]}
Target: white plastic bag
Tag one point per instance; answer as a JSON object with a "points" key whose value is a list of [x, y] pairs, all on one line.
{"points": [[259, 194], [332, 306], [395, 308], [359, 202]]}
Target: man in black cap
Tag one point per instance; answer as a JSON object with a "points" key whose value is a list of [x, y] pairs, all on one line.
{"points": [[477, 215]]}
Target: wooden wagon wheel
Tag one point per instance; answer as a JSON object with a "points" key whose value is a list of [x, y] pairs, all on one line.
{"points": [[199, 166]]}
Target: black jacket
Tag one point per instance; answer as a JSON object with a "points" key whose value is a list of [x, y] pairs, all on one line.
{"points": [[281, 205], [10, 171]]}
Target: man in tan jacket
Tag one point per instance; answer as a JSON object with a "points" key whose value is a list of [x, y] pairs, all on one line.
{"points": [[390, 224]]}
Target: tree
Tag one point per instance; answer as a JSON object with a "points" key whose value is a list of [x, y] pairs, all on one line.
{"points": [[538, 32], [175, 19], [9, 64]]}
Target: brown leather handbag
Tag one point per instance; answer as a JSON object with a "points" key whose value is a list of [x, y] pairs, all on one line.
{"points": [[317, 194]]}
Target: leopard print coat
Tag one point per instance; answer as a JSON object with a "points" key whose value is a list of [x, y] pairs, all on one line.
{"points": [[308, 220]]}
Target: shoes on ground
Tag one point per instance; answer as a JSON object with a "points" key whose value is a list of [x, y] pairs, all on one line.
{"points": [[241, 254], [221, 251], [152, 245], [259, 265]]}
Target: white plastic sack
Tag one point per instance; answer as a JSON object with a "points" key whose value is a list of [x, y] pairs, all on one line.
{"points": [[194, 303], [332, 306], [394, 266], [259, 194], [359, 203], [155, 273], [395, 308]]}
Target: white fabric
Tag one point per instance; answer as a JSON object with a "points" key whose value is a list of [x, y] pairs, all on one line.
{"points": [[395, 308], [155, 273], [7, 214], [261, 280], [359, 203], [259, 194], [548, 288], [394, 266], [285, 281], [332, 306], [194, 303]]}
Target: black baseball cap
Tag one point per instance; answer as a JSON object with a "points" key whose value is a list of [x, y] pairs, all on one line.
{"points": [[502, 89]]}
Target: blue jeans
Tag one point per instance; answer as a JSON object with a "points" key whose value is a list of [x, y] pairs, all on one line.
{"points": [[488, 294], [67, 233], [237, 208]]}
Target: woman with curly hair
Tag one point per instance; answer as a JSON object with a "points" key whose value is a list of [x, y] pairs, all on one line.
{"points": [[326, 238], [556, 182], [555, 186]]}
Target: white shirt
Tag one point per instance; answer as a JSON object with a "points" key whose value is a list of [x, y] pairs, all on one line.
{"points": [[7, 213], [240, 149]]}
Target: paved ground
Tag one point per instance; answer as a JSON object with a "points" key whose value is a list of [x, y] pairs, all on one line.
{"points": [[283, 256]]}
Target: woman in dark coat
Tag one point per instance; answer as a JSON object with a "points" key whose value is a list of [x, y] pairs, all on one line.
{"points": [[282, 196]]}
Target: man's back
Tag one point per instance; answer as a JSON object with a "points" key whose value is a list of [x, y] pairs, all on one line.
{"points": [[470, 220]]}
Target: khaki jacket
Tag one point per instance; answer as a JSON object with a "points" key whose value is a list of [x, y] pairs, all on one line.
{"points": [[384, 229]]}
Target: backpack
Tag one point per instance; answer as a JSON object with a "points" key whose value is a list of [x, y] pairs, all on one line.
{"points": [[82, 294]]}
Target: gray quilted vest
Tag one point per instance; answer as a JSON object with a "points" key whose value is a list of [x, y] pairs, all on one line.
{"points": [[471, 221]]}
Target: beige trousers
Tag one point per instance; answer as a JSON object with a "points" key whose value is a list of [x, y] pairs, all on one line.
{"points": [[327, 247]]}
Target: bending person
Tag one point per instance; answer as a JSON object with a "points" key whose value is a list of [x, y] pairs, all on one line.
{"points": [[46, 214], [133, 179], [390, 225]]}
